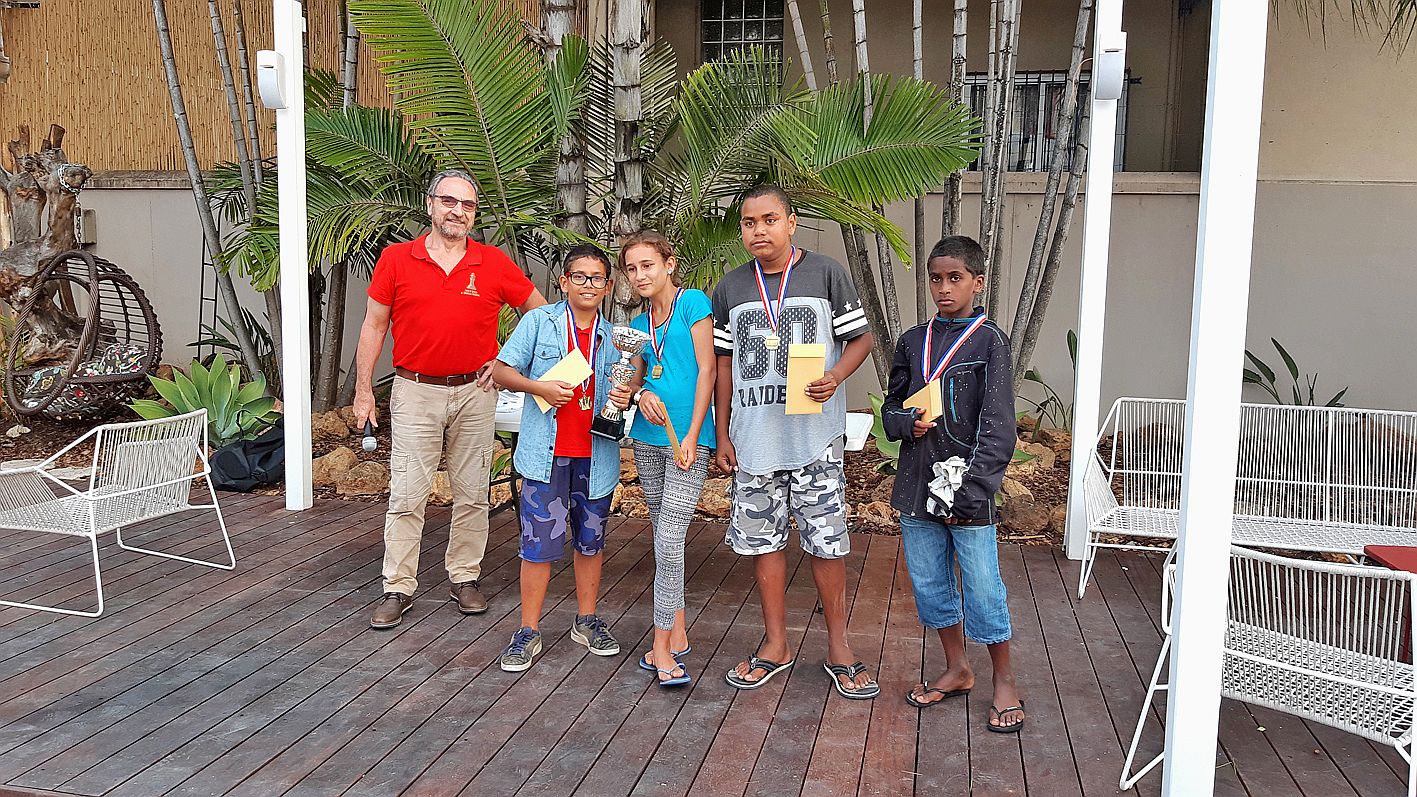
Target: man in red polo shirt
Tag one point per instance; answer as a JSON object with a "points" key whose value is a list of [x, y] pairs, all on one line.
{"points": [[442, 293]]}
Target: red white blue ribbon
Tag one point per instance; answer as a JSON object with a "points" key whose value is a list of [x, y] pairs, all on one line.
{"points": [[944, 363], [655, 341], [781, 288], [575, 345]]}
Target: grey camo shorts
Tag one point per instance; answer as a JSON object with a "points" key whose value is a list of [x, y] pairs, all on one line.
{"points": [[814, 494]]}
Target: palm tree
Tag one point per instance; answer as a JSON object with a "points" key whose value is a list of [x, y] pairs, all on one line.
{"points": [[471, 89]]}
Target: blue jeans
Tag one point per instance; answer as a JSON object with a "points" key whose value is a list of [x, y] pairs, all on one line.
{"points": [[931, 549]]}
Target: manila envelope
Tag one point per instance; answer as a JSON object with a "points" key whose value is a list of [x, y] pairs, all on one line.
{"points": [[928, 398], [806, 363], [573, 369]]}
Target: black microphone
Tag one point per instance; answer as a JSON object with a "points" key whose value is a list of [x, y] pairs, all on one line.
{"points": [[369, 442]]}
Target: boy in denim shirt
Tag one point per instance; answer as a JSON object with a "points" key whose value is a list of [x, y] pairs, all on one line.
{"points": [[568, 474], [950, 468]]}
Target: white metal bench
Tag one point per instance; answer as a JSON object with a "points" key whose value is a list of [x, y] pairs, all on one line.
{"points": [[1324, 642], [140, 471], [1308, 479]]}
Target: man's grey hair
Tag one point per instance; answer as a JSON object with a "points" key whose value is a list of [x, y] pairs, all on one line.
{"points": [[459, 174]]}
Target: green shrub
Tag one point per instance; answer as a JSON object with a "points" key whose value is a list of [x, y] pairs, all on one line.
{"points": [[234, 411]]}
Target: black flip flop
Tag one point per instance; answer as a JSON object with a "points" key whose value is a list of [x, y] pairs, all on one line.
{"points": [[997, 714], [911, 699], [771, 668], [867, 692]]}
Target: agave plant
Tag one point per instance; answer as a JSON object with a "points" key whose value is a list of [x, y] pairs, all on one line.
{"points": [[235, 411]]}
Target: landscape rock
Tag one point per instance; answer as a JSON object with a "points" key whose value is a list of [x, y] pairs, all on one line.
{"points": [[164, 371], [327, 428], [1058, 519], [714, 501], [499, 495], [1013, 489], [1027, 423], [332, 467], [366, 478], [442, 492], [346, 414], [632, 501], [1025, 516], [878, 513], [1043, 454], [1019, 470], [1056, 439], [883, 488], [16, 430], [628, 471]]}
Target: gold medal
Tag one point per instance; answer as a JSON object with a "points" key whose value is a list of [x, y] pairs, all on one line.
{"points": [[657, 372], [772, 342], [586, 403]]}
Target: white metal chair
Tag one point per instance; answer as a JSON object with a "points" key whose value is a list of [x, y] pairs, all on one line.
{"points": [[140, 471], [1325, 479], [1324, 642]]}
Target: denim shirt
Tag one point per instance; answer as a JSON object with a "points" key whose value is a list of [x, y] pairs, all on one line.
{"points": [[539, 342]]}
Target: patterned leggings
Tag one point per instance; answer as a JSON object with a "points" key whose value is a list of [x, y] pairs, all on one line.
{"points": [[672, 494]]}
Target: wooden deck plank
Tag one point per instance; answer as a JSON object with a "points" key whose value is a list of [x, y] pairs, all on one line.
{"points": [[267, 681], [345, 669], [729, 762], [888, 766], [835, 767], [625, 738], [1043, 675]]}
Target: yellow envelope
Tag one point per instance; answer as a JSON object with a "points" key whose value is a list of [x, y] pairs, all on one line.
{"points": [[573, 369], [806, 363], [928, 398]]}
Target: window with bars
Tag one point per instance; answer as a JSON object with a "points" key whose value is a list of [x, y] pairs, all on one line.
{"points": [[1032, 137], [730, 25]]}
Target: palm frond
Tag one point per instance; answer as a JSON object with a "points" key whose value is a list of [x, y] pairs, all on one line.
{"points": [[916, 139], [472, 87]]}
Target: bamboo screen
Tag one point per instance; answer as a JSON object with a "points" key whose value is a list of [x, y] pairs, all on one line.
{"points": [[95, 68]]}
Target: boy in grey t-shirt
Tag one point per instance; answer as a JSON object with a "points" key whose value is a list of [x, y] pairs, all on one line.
{"points": [[784, 463]]}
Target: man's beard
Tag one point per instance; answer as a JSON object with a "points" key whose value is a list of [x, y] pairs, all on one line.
{"points": [[449, 229]]}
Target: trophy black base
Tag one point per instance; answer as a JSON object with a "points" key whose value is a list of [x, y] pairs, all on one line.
{"points": [[601, 426]]}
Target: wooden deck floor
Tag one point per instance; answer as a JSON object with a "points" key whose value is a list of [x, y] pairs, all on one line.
{"points": [[268, 681]]}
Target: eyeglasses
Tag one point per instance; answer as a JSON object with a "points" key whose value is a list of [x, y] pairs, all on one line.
{"points": [[593, 280], [450, 202]]}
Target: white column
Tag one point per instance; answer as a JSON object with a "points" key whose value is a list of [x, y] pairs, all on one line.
{"points": [[289, 25], [1221, 302], [1092, 295]]}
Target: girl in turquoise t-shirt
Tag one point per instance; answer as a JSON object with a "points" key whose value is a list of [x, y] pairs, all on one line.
{"points": [[673, 389]]}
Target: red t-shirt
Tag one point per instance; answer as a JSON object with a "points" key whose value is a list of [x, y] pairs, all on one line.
{"points": [[572, 422], [446, 323]]}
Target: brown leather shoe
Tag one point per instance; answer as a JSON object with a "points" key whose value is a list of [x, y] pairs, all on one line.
{"points": [[470, 599], [389, 612]]}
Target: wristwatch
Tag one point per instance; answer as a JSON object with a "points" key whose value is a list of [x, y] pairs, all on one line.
{"points": [[635, 399]]}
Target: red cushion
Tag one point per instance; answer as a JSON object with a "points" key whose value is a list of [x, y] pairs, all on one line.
{"points": [[1393, 557]]}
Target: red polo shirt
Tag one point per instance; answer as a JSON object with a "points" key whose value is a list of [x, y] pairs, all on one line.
{"points": [[446, 323]]}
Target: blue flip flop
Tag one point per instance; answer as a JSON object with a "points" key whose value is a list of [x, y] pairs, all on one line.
{"points": [[647, 667], [673, 680]]}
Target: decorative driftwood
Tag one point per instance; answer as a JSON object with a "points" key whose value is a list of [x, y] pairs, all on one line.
{"points": [[42, 192]]}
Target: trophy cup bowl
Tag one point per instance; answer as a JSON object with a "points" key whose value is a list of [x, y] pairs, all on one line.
{"points": [[610, 423]]}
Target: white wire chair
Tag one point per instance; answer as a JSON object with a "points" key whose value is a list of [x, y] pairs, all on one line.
{"points": [[1321, 641], [140, 471], [1326, 479]]}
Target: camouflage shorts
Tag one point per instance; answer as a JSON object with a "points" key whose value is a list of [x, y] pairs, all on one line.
{"points": [[814, 494]]}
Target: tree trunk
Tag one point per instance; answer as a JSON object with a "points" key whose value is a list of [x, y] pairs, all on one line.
{"points": [[199, 191], [248, 99], [558, 19], [26, 201], [1060, 239], [349, 68], [921, 273], [628, 30], [1002, 82], [889, 296], [1064, 120], [806, 55], [858, 259], [954, 187]]}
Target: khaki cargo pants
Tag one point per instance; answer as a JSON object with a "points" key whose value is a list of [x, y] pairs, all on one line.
{"points": [[425, 417]]}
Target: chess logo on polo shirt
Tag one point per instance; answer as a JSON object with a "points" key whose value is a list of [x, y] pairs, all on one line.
{"points": [[471, 289]]}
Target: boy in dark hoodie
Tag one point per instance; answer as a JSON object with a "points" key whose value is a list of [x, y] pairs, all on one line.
{"points": [[950, 468]]}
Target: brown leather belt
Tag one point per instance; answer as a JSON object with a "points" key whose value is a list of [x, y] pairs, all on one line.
{"points": [[424, 379]]}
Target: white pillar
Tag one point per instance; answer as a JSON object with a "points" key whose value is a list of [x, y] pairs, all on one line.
{"points": [[289, 25], [1092, 295], [1222, 288]]}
